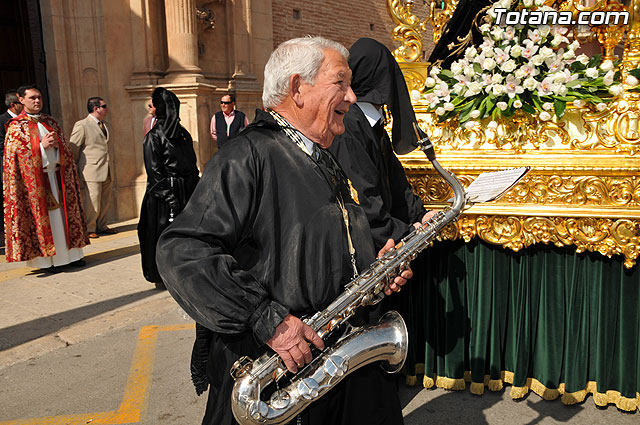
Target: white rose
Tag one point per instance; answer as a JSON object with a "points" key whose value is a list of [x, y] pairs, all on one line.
{"points": [[473, 89], [559, 78], [517, 104], [440, 110], [547, 52], [544, 116], [563, 90], [509, 66], [601, 106], [496, 78], [606, 65], [537, 60], [574, 46], [469, 125], [616, 90], [530, 84], [516, 51], [488, 64], [498, 89], [578, 103], [527, 3], [434, 71], [547, 106], [569, 54], [591, 73], [492, 125], [502, 106], [608, 78], [474, 114], [497, 32], [470, 52], [430, 82], [583, 59], [631, 81], [415, 95], [456, 68], [449, 107]]}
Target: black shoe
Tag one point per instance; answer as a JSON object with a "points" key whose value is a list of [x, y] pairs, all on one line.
{"points": [[78, 263], [52, 269]]}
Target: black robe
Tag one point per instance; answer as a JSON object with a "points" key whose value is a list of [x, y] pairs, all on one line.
{"points": [[172, 176], [367, 157], [262, 237]]}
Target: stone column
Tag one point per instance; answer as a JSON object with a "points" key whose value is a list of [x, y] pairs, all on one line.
{"points": [[182, 41]]}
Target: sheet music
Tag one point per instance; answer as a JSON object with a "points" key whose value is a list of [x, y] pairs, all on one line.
{"points": [[490, 186]]}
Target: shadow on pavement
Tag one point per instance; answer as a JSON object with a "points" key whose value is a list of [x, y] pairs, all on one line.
{"points": [[33, 329]]}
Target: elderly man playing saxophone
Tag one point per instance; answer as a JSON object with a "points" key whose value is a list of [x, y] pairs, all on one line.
{"points": [[272, 234]]}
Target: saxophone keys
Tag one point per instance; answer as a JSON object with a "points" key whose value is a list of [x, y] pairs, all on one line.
{"points": [[336, 366], [280, 399], [309, 388], [258, 409], [241, 367]]}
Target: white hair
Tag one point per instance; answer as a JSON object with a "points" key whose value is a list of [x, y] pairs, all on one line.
{"points": [[302, 56]]}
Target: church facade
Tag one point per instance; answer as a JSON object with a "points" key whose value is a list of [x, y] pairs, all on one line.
{"points": [[122, 49]]}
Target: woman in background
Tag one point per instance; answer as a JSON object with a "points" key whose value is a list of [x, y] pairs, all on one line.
{"points": [[172, 175]]}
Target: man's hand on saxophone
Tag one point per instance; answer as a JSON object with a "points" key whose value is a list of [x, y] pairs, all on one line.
{"points": [[291, 342], [398, 282]]}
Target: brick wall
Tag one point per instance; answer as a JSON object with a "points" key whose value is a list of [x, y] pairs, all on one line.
{"points": [[341, 20]]}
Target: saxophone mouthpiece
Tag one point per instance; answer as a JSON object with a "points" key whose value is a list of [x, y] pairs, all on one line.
{"points": [[424, 143]]}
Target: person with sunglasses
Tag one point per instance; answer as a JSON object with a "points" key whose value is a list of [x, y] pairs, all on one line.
{"points": [[90, 144], [228, 122]]}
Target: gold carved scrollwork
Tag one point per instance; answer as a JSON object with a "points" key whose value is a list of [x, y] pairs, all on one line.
{"points": [[602, 191], [616, 128], [608, 236], [604, 235], [409, 27], [519, 132]]}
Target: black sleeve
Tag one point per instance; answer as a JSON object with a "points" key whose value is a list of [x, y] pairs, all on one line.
{"points": [[158, 184], [195, 254]]}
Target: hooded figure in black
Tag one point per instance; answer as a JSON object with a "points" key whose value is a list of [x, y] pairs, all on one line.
{"points": [[364, 150], [172, 175]]}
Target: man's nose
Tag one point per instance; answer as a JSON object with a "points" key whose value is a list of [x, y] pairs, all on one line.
{"points": [[350, 96]]}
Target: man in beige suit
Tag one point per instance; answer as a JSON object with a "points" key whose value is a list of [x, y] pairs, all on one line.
{"points": [[89, 142]]}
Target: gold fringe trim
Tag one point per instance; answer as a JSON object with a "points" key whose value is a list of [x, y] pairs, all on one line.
{"points": [[495, 385], [450, 383], [477, 388], [428, 382], [600, 399]]}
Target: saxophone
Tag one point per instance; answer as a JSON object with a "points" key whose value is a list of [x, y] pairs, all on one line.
{"points": [[386, 341]]}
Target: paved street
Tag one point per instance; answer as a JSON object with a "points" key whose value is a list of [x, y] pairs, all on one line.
{"points": [[100, 345]]}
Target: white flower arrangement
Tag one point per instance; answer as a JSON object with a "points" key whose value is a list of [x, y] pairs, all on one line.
{"points": [[523, 67]]}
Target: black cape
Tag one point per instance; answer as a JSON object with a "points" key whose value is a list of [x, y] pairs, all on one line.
{"points": [[367, 155], [172, 175], [263, 237], [384, 193]]}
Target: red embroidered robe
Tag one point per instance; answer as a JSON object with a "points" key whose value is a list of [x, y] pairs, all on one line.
{"points": [[26, 215]]}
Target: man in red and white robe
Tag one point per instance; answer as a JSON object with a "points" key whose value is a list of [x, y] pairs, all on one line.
{"points": [[44, 220]]}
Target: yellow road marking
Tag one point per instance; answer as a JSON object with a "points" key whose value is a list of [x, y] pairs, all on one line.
{"points": [[134, 402]]}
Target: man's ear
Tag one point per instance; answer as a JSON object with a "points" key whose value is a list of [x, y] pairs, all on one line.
{"points": [[295, 85]]}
